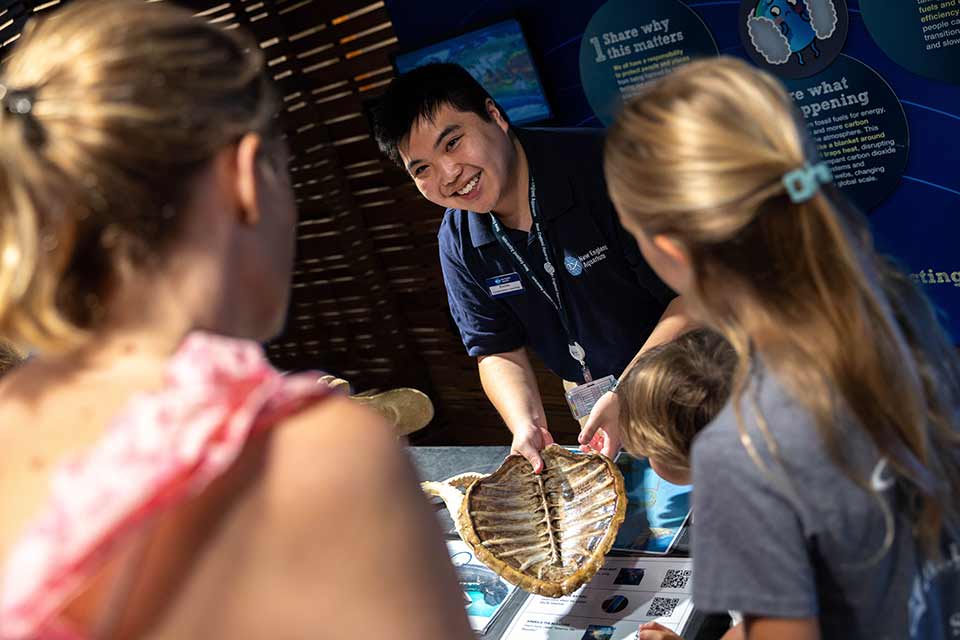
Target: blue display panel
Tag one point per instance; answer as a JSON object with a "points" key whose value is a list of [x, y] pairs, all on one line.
{"points": [[499, 59]]}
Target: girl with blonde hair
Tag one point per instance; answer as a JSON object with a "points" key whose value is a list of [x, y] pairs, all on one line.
{"points": [[158, 478], [827, 491]]}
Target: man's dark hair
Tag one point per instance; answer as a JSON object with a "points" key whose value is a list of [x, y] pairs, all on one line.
{"points": [[420, 93]]}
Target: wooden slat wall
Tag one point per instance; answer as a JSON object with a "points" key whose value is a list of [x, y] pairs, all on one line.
{"points": [[368, 301], [13, 15]]}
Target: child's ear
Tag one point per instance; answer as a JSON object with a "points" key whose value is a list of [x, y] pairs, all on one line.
{"points": [[672, 475]]}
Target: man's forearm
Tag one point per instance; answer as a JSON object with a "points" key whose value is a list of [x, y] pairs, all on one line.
{"points": [[510, 384]]}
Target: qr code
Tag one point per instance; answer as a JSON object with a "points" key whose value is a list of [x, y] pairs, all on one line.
{"points": [[662, 607], [676, 579]]}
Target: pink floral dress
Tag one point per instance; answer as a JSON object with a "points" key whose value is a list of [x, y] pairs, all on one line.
{"points": [[165, 447]]}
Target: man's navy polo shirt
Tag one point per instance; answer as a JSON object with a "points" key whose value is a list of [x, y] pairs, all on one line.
{"points": [[611, 295]]}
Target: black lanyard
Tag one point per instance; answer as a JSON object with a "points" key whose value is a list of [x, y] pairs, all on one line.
{"points": [[576, 351]]}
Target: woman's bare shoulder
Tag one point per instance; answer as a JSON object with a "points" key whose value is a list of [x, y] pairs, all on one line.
{"points": [[334, 446]]}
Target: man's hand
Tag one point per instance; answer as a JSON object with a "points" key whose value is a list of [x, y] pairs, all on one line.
{"points": [[510, 383], [528, 441], [602, 431], [655, 631]]}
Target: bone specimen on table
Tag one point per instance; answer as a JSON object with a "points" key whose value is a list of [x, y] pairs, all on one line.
{"points": [[546, 533]]}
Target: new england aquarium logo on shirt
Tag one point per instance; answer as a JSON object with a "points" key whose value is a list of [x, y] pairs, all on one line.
{"points": [[573, 265], [576, 265]]}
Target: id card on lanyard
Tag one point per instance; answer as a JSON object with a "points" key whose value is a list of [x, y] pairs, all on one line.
{"points": [[583, 395]]}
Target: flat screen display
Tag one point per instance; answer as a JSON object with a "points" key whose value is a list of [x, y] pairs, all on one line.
{"points": [[499, 59]]}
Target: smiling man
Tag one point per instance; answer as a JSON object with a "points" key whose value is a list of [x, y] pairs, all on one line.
{"points": [[532, 253]]}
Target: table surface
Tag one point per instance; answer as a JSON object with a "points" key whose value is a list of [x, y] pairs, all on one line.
{"points": [[440, 463]]}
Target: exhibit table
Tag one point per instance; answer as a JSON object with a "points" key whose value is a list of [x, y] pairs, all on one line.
{"points": [[440, 463]]}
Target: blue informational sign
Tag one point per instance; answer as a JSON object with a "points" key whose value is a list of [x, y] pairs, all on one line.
{"points": [[920, 35], [656, 509], [859, 126], [629, 43]]}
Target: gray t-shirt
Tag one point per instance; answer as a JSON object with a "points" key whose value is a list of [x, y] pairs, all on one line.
{"points": [[800, 539]]}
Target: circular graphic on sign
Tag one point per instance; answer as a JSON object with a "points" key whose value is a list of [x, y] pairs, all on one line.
{"points": [[793, 38], [628, 43], [859, 126], [922, 36], [614, 604]]}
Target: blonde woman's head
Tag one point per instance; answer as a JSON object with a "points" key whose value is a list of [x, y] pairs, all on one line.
{"points": [[695, 166], [698, 161], [120, 106]]}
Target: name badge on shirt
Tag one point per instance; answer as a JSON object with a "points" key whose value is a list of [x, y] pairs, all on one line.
{"points": [[507, 284]]}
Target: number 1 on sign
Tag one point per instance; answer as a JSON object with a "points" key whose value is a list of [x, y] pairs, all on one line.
{"points": [[595, 41]]}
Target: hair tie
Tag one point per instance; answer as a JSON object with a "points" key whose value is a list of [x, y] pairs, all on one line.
{"points": [[16, 102], [804, 182], [19, 103]]}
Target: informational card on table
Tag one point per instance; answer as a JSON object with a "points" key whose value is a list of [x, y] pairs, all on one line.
{"points": [[624, 594], [657, 510], [484, 592]]}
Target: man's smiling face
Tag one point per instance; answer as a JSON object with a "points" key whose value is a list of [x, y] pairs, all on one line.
{"points": [[459, 160]]}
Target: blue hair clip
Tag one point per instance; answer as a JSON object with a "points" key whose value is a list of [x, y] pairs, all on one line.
{"points": [[19, 103], [804, 182]]}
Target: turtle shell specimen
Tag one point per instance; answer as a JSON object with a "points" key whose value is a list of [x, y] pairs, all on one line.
{"points": [[546, 533]]}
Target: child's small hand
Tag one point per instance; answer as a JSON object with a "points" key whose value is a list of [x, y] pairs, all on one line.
{"points": [[655, 631], [604, 420]]}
